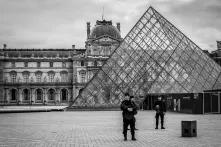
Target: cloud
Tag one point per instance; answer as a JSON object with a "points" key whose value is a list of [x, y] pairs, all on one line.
{"points": [[59, 24]]}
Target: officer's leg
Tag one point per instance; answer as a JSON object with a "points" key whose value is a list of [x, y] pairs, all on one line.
{"points": [[132, 126], [157, 120], [123, 125], [162, 120], [135, 124], [125, 128]]}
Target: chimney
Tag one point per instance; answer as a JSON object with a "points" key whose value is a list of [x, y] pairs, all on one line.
{"points": [[73, 46], [118, 26], [88, 29], [4, 46]]}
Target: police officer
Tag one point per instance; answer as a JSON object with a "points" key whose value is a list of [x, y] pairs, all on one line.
{"points": [[129, 110], [160, 107]]}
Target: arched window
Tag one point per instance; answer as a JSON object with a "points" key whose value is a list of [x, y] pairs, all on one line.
{"points": [[51, 75], [13, 94], [51, 94], [26, 95], [39, 95], [64, 95]]}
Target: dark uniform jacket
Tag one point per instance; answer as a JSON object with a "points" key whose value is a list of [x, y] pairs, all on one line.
{"points": [[161, 106], [128, 114]]}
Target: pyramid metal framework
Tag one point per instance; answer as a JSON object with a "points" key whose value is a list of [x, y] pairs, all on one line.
{"points": [[154, 57]]}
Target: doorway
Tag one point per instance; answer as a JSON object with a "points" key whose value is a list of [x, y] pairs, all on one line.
{"points": [[212, 102]]}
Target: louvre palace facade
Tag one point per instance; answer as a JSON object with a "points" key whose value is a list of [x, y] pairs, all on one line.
{"points": [[54, 76], [154, 59]]}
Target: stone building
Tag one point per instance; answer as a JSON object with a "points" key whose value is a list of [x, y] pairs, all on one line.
{"points": [[216, 54], [54, 76]]}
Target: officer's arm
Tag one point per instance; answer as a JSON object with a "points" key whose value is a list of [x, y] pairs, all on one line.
{"points": [[165, 107], [123, 106], [134, 106]]}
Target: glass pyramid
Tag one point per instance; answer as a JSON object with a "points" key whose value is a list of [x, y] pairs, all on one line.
{"points": [[154, 57]]}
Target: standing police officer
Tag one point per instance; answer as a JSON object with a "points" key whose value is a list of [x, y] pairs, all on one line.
{"points": [[160, 107], [129, 110]]}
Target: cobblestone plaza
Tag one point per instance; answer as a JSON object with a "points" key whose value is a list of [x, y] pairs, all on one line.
{"points": [[104, 129]]}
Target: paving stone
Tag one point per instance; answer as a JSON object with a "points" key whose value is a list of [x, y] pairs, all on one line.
{"points": [[103, 128]]}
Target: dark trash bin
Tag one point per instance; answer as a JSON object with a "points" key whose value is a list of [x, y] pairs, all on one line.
{"points": [[189, 128]]}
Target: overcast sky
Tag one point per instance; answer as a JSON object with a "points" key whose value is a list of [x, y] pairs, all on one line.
{"points": [[61, 23]]}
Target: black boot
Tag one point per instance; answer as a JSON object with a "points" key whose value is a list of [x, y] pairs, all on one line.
{"points": [[157, 122], [162, 125], [133, 137], [156, 126], [125, 137]]}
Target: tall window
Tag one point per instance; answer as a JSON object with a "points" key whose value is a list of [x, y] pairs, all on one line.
{"points": [[95, 63], [13, 64], [38, 75], [64, 94], [39, 94], [38, 64], [25, 76], [51, 64], [13, 94], [64, 76], [26, 94], [26, 64], [13, 78], [96, 51], [82, 76], [13, 75], [38, 78], [51, 76], [51, 94], [82, 63], [63, 64]]}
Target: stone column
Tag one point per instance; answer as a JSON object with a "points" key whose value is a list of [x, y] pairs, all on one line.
{"points": [[75, 64], [8, 95], [33, 95], [30, 94], [75, 92], [58, 96], [45, 96], [20, 95], [69, 95], [6, 99]]}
